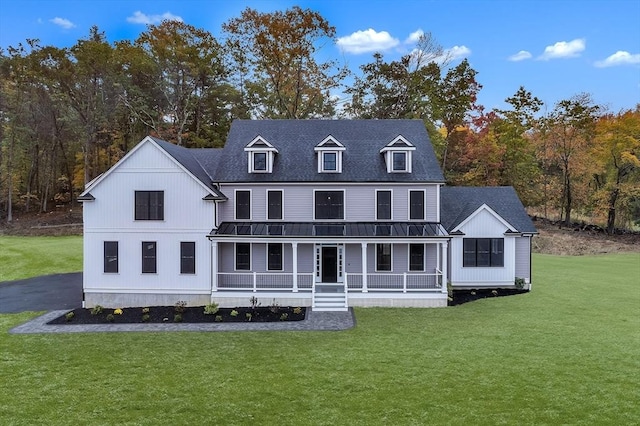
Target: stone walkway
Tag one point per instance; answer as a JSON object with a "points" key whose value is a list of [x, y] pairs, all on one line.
{"points": [[315, 321]]}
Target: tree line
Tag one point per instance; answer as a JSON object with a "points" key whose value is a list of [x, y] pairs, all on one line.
{"points": [[68, 114]]}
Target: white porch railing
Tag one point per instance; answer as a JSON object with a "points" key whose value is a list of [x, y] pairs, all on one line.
{"points": [[283, 281]]}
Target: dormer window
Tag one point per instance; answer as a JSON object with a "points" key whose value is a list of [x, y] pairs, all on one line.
{"points": [[260, 156], [397, 155], [329, 155]]}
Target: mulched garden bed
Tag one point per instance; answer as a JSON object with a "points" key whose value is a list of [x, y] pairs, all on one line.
{"points": [[465, 296], [177, 314]]}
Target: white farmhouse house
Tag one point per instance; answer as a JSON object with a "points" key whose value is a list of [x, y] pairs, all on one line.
{"points": [[321, 213]]}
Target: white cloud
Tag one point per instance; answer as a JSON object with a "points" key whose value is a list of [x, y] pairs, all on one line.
{"points": [[564, 49], [414, 36], [142, 18], [367, 41], [64, 23], [520, 56], [457, 52], [619, 58], [448, 55]]}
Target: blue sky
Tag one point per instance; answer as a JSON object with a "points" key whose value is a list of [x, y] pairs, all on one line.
{"points": [[555, 49]]}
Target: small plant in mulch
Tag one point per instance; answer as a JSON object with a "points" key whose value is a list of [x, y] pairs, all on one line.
{"points": [[145, 310], [211, 309], [96, 310], [274, 308], [111, 318], [177, 318], [234, 313], [284, 316], [218, 318], [145, 317], [180, 306], [117, 311], [297, 310], [248, 316], [519, 283], [69, 316], [253, 302]]}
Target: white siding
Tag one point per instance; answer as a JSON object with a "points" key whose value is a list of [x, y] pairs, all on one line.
{"points": [[523, 258], [111, 218]]}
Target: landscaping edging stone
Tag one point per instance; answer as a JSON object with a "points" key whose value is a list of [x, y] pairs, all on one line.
{"points": [[315, 321]]}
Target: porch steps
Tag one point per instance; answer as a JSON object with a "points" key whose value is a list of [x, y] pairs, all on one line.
{"points": [[329, 298]]}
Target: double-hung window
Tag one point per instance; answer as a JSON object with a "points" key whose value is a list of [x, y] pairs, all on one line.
{"points": [[259, 161], [188, 257], [274, 205], [149, 205], [416, 205], [243, 256], [383, 257], [416, 257], [399, 161], [329, 205], [483, 252], [274, 257], [383, 205], [111, 257], [243, 205], [149, 259], [329, 161]]}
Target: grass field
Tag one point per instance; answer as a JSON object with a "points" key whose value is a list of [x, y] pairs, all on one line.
{"points": [[566, 353], [24, 257]]}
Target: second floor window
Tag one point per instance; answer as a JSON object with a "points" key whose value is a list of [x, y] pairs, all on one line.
{"points": [[329, 205], [416, 205], [149, 205], [383, 205], [274, 205], [243, 205]]}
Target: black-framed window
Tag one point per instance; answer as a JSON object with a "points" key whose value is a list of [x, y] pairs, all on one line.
{"points": [[187, 257], [149, 258], [483, 252], [329, 204], [416, 257], [383, 205], [243, 205], [416, 205], [111, 257], [329, 161], [274, 205], [274, 257], [383, 257], [243, 256], [149, 205], [260, 161], [399, 161]]}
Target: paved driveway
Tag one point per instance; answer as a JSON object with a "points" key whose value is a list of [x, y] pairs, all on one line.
{"points": [[50, 292]]}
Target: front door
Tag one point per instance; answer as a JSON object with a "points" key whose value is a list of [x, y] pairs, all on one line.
{"points": [[329, 264]]}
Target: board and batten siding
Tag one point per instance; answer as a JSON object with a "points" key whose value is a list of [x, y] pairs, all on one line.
{"points": [[298, 201], [523, 258], [482, 225], [111, 217]]}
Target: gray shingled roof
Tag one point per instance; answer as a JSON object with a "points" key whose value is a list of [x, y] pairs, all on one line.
{"points": [[296, 160], [200, 162], [458, 202]]}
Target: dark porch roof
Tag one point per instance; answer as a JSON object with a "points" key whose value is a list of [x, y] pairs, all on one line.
{"points": [[330, 229]]}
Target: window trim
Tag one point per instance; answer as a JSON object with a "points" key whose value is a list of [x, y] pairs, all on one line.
{"points": [[235, 257], [377, 269], [405, 154], [105, 257], [344, 203], [254, 169], [281, 257], [281, 191], [390, 191], [183, 257], [424, 204], [324, 169], [148, 205], [235, 204], [424, 257], [491, 260], [155, 257]]}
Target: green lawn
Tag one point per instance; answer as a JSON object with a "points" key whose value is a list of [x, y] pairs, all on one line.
{"points": [[24, 257], [566, 353]]}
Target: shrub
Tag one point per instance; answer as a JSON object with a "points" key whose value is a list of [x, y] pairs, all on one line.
{"points": [[519, 283], [253, 302], [69, 316], [211, 308], [145, 318], [234, 313], [180, 306], [218, 318], [284, 316], [274, 307], [297, 310], [111, 318], [117, 311], [249, 316], [177, 318], [96, 310], [145, 310]]}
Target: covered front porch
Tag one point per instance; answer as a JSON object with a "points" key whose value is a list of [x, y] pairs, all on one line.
{"points": [[331, 272]]}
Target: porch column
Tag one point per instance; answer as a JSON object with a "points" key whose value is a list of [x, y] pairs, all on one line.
{"points": [[364, 268], [294, 269], [444, 266], [214, 266]]}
